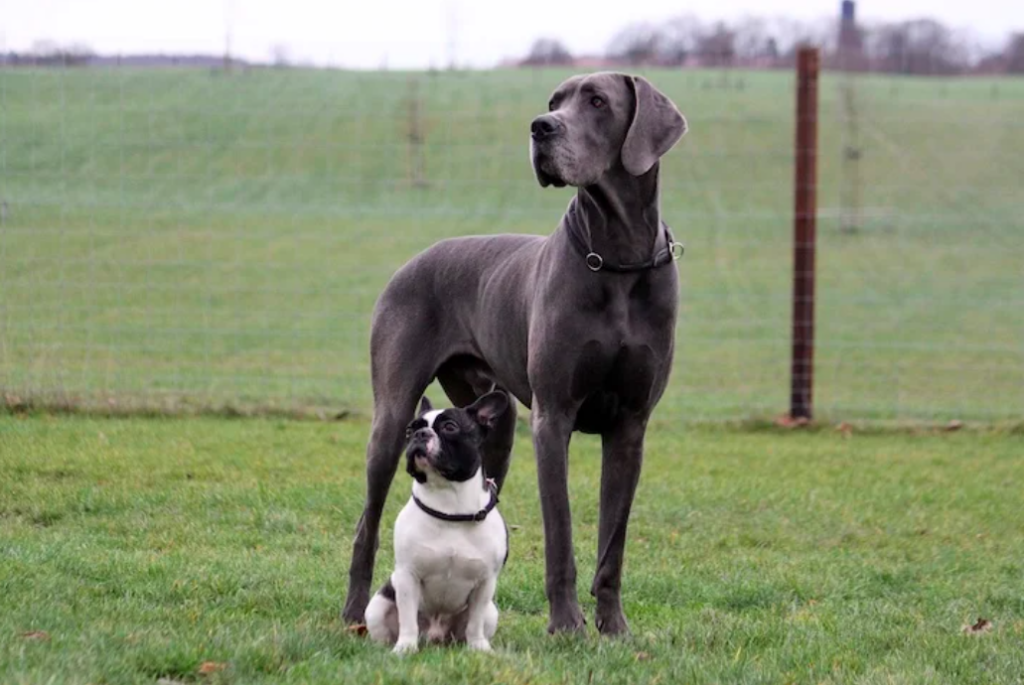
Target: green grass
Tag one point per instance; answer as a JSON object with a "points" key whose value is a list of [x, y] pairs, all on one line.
{"points": [[189, 237], [146, 547]]}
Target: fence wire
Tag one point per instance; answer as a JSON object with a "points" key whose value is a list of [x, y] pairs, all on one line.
{"points": [[194, 238]]}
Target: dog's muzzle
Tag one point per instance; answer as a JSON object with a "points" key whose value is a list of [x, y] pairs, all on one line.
{"points": [[544, 127], [545, 132], [424, 443], [544, 166]]}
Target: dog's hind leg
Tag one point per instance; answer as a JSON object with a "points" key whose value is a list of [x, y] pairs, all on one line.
{"points": [[382, 616], [459, 623], [402, 369], [497, 448], [464, 379]]}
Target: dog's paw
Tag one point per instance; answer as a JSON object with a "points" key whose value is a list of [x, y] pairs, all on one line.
{"points": [[567, 619], [406, 647], [612, 623], [480, 645]]}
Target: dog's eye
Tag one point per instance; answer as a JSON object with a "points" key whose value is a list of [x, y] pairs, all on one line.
{"points": [[597, 101], [449, 427], [551, 105]]}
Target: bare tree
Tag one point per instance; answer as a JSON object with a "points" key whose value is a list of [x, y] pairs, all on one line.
{"points": [[637, 44], [717, 47], [680, 39], [1015, 54], [751, 39], [44, 48], [785, 36], [546, 52], [48, 52], [920, 46]]}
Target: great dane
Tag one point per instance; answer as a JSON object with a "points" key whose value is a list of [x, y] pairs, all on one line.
{"points": [[578, 326]]}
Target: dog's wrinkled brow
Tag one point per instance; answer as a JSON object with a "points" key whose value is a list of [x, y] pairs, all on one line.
{"points": [[564, 91]]}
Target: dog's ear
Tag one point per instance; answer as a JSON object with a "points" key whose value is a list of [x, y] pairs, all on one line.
{"points": [[410, 467], [486, 410], [657, 125], [425, 406]]}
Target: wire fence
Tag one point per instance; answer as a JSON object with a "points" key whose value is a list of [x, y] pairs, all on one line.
{"points": [[200, 238]]}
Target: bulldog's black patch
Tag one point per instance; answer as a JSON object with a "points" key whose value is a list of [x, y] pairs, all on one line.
{"points": [[459, 434]]}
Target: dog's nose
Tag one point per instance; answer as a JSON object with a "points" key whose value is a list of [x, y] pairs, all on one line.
{"points": [[544, 126]]}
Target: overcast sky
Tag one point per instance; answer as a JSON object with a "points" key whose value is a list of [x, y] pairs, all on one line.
{"points": [[419, 33]]}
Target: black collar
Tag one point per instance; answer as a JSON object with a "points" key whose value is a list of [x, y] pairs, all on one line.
{"points": [[463, 518], [595, 262]]}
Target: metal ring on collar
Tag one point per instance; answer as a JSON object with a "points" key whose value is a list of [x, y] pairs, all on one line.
{"points": [[677, 250], [594, 261]]}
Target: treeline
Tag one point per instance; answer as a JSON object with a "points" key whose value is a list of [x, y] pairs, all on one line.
{"points": [[50, 54], [919, 46]]}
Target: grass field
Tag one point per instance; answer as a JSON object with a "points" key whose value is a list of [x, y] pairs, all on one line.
{"points": [[190, 237], [141, 549]]}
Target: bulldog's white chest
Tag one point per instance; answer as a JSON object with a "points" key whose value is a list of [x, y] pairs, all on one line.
{"points": [[449, 559]]}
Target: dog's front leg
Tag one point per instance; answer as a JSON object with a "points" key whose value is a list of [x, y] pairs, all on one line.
{"points": [[407, 599], [622, 453], [479, 610], [551, 433]]}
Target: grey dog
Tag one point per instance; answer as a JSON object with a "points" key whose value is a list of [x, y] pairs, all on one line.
{"points": [[578, 326]]}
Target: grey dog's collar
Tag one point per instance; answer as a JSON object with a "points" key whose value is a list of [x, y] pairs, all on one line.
{"points": [[595, 262], [463, 518]]}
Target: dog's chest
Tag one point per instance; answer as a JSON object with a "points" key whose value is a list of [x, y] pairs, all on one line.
{"points": [[450, 559]]}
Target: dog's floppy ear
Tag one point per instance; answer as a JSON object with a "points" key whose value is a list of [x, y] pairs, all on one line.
{"points": [[486, 410], [425, 406], [657, 126]]}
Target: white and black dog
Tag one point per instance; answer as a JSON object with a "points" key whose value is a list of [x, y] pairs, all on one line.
{"points": [[450, 541]]}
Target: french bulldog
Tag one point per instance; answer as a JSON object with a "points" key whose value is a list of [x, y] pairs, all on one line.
{"points": [[450, 540]]}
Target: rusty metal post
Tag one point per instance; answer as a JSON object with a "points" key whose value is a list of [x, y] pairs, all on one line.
{"points": [[804, 235]]}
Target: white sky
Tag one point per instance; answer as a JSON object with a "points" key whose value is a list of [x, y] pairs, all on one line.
{"points": [[417, 34]]}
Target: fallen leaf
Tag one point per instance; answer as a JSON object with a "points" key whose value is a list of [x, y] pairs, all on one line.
{"points": [[35, 635], [981, 626], [845, 428], [208, 667], [787, 421], [358, 629], [953, 425], [642, 656]]}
